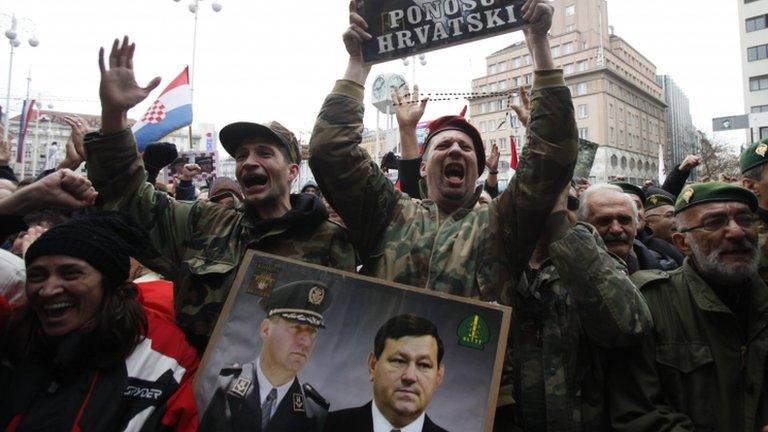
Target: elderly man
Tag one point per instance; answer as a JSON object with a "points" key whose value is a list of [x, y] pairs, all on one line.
{"points": [[406, 368], [703, 365], [614, 214], [443, 243], [660, 215], [201, 243], [666, 255]]}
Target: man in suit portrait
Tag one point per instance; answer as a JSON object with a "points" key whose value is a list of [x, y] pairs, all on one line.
{"points": [[405, 367], [265, 395]]}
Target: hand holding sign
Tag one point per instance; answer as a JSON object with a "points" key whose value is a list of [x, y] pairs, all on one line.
{"points": [[354, 37]]}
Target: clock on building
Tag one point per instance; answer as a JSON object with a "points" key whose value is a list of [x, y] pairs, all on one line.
{"points": [[382, 90]]}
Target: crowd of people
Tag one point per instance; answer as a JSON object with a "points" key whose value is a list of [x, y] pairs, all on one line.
{"points": [[634, 308]]}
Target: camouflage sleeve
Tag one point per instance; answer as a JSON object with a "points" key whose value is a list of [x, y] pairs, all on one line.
{"points": [[355, 187], [546, 166], [610, 307], [117, 173], [636, 398]]}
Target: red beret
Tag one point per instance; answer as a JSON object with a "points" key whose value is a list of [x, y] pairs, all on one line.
{"points": [[454, 122]]}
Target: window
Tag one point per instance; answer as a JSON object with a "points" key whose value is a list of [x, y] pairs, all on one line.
{"points": [[481, 108], [614, 161], [759, 109], [491, 69], [503, 85], [482, 126], [516, 82], [527, 60], [612, 134], [583, 111], [623, 162], [763, 133], [568, 69], [528, 78], [584, 133], [757, 23], [502, 66], [567, 48], [570, 10], [583, 65], [556, 51], [758, 83], [581, 89], [610, 110], [632, 163], [503, 143], [756, 53], [493, 87], [515, 63], [570, 28], [483, 89]]}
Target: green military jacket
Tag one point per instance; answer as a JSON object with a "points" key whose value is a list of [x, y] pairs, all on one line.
{"points": [[580, 303], [698, 369], [471, 252], [200, 244]]}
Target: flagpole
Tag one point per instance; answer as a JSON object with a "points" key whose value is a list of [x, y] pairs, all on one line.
{"points": [[192, 73]]}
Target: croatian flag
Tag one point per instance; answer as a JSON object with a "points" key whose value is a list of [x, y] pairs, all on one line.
{"points": [[26, 115], [171, 111]]}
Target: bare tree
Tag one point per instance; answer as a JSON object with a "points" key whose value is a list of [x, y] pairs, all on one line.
{"points": [[717, 158]]}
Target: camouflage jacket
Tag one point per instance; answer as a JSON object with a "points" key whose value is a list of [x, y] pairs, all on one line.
{"points": [[702, 367], [200, 244], [579, 304], [471, 252]]}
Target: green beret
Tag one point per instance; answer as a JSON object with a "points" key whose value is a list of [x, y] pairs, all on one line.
{"points": [[754, 155], [658, 200], [702, 193], [302, 301], [631, 189]]}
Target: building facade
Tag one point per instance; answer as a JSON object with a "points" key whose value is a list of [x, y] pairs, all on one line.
{"points": [[681, 136], [753, 31], [47, 135], [617, 101]]}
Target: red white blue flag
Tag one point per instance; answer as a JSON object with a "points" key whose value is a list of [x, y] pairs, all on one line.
{"points": [[26, 115], [171, 111]]}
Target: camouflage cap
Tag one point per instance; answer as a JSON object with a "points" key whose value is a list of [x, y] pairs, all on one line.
{"points": [[454, 122], [701, 193], [631, 189], [301, 301], [658, 200], [754, 155], [233, 134]]}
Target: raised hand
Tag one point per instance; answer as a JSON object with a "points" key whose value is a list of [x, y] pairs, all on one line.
{"points": [[690, 162], [189, 171], [538, 13], [492, 160], [67, 189], [408, 110], [356, 33], [75, 148], [118, 90], [523, 112], [5, 152]]}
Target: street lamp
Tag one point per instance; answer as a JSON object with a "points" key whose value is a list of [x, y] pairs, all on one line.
{"points": [[407, 61], [15, 30]]}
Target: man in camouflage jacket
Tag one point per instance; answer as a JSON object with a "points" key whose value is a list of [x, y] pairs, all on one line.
{"points": [[436, 243], [200, 243], [571, 308]]}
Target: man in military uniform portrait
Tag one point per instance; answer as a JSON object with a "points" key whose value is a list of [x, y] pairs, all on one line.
{"points": [[265, 395], [406, 367]]}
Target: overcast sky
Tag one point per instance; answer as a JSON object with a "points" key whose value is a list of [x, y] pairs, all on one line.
{"points": [[260, 60]]}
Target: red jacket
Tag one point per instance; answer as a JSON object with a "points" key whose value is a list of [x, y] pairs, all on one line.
{"points": [[150, 391]]}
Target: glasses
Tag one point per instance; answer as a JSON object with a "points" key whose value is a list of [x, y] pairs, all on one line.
{"points": [[716, 223]]}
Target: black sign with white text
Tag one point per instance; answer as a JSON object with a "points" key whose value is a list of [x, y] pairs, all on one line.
{"points": [[405, 27]]}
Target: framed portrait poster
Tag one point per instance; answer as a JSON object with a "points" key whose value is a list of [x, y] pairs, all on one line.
{"points": [[303, 347]]}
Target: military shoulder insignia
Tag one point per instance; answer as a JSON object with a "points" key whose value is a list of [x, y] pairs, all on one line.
{"points": [[473, 332], [240, 387], [761, 149], [262, 280], [316, 295], [298, 402], [687, 194]]}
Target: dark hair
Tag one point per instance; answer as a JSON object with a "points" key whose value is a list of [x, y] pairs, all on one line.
{"points": [[118, 326], [406, 325], [754, 173]]}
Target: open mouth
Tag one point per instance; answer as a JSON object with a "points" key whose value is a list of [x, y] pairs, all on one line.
{"points": [[454, 172], [56, 310], [255, 179]]}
